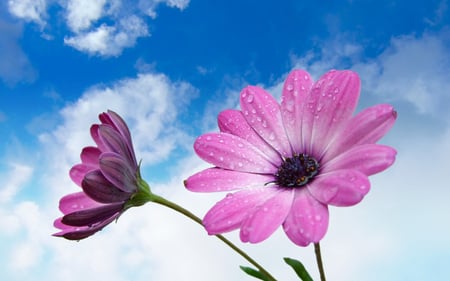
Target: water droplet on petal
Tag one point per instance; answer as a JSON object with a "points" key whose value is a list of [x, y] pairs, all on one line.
{"points": [[290, 87], [250, 98]]}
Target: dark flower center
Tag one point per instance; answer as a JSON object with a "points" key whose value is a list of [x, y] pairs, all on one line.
{"points": [[296, 171]]}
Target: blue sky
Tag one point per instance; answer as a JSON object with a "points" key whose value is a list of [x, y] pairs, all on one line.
{"points": [[169, 67]]}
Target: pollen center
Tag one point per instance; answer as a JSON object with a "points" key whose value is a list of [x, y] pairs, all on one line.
{"points": [[296, 171]]}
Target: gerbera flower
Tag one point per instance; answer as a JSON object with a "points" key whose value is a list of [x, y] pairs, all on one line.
{"points": [[285, 163], [109, 178]]}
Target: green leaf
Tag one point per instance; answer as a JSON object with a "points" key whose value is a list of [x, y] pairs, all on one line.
{"points": [[255, 273], [299, 269]]}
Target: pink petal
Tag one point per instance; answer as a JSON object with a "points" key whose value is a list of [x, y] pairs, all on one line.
{"points": [[231, 152], [307, 221], [76, 202], [89, 155], [368, 159], [295, 91], [114, 119], [263, 113], [96, 137], [78, 172], [115, 142], [331, 103], [96, 186], [228, 214], [340, 188], [92, 216], [78, 233], [233, 122], [117, 171], [265, 218], [368, 126], [217, 179]]}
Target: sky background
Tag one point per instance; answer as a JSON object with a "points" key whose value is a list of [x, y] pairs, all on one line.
{"points": [[169, 67]]}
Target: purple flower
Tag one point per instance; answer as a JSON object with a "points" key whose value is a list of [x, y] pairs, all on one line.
{"points": [[109, 177], [285, 163]]}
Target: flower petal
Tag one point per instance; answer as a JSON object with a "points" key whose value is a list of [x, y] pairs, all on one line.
{"points": [[263, 113], [96, 186], [92, 216], [78, 233], [78, 172], [89, 155], [307, 221], [233, 122], [295, 91], [340, 188], [116, 143], [118, 172], [368, 126], [228, 213], [217, 179], [331, 103], [265, 218], [76, 202], [89, 158], [231, 152], [96, 137], [113, 119], [368, 159]]}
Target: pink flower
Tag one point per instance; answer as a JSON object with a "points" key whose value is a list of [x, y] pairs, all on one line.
{"points": [[286, 163], [109, 177]]}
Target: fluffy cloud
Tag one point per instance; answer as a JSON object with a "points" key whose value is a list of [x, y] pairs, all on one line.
{"points": [[29, 10], [16, 177], [108, 40], [87, 19], [413, 69], [82, 13], [149, 7]]}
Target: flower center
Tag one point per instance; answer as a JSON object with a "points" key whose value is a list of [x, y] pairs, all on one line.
{"points": [[296, 171]]}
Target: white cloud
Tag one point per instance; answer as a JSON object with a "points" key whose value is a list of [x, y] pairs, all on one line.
{"points": [[150, 103], [413, 68], [15, 178], [126, 22], [82, 13], [109, 40], [149, 6], [29, 10]]}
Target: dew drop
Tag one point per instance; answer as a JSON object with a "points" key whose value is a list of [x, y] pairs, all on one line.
{"points": [[264, 123], [250, 98], [272, 136], [240, 164], [290, 87], [290, 106]]}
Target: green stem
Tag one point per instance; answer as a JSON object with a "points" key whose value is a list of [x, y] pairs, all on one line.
{"points": [[160, 200], [319, 261]]}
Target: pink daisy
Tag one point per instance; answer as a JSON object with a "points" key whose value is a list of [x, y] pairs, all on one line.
{"points": [[109, 178], [285, 163]]}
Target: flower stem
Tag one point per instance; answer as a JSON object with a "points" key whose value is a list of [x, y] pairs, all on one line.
{"points": [[319, 261], [179, 209]]}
